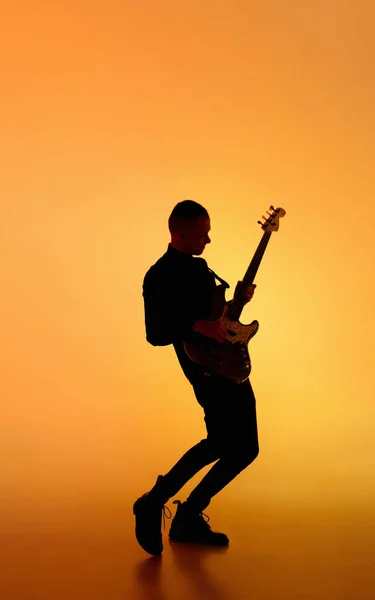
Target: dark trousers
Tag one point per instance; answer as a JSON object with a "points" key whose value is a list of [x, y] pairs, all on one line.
{"points": [[232, 440]]}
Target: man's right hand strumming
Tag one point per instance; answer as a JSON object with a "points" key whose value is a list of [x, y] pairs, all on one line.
{"points": [[211, 329]]}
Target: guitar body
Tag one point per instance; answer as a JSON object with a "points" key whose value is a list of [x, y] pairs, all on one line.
{"points": [[231, 358]]}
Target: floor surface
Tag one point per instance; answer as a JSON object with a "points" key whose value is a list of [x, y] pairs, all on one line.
{"points": [[275, 553]]}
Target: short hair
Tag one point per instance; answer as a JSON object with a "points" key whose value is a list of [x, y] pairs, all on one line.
{"points": [[183, 212]]}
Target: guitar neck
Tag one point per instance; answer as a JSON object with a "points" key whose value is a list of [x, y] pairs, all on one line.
{"points": [[238, 303]]}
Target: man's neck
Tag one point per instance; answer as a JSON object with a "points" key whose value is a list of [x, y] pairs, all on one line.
{"points": [[180, 249]]}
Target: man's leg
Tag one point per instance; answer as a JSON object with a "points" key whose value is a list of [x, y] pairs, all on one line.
{"points": [[149, 508], [231, 422], [232, 438]]}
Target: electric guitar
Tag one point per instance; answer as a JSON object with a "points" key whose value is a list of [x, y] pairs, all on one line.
{"points": [[231, 358]]}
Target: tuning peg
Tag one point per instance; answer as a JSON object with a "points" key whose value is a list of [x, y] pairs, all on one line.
{"points": [[268, 213], [260, 223], [272, 207]]}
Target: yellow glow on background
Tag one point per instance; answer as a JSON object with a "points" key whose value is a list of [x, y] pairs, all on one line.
{"points": [[111, 113]]}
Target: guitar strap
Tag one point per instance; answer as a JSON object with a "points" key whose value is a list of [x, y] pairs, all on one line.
{"points": [[219, 278]]}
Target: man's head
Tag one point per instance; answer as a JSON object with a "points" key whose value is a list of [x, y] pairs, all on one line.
{"points": [[189, 224]]}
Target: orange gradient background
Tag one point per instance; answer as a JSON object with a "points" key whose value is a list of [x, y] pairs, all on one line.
{"points": [[111, 113]]}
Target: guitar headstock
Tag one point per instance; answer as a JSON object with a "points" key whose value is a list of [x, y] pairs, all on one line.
{"points": [[272, 222]]}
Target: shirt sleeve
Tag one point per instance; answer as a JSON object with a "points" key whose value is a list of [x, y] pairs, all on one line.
{"points": [[167, 315]]}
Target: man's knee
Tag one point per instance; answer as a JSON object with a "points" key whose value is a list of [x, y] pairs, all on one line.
{"points": [[246, 455], [243, 454]]}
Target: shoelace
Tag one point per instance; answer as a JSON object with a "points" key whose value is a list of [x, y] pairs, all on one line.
{"points": [[165, 507], [201, 514]]}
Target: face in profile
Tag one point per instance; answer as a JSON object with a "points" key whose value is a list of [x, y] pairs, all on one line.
{"points": [[194, 237]]}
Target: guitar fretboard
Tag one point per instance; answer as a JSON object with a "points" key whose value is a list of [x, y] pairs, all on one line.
{"points": [[238, 303]]}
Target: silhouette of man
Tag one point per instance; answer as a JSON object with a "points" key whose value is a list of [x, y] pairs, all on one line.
{"points": [[177, 293]]}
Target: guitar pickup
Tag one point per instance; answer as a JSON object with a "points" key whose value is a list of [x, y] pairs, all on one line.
{"points": [[231, 332]]}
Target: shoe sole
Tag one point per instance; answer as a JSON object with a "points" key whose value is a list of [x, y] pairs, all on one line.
{"points": [[212, 545], [154, 551]]}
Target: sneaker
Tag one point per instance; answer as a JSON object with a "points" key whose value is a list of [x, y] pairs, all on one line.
{"points": [[148, 511], [189, 526]]}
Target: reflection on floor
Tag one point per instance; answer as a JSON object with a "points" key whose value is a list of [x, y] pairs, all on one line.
{"points": [[275, 553]]}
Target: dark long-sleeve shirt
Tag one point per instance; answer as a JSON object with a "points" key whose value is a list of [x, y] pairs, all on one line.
{"points": [[177, 291]]}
